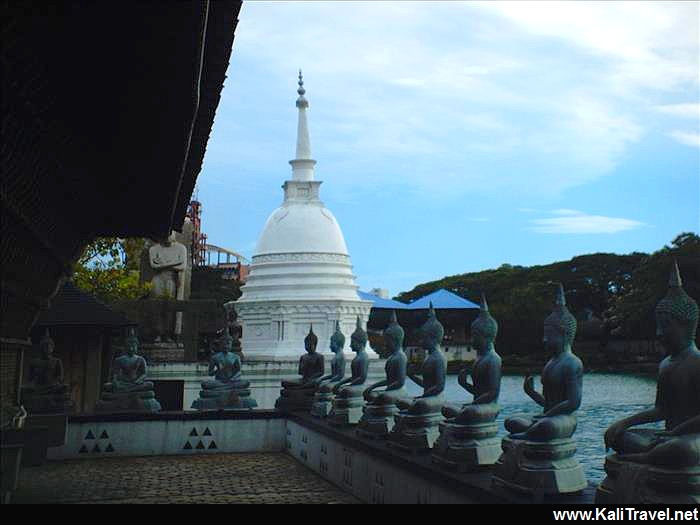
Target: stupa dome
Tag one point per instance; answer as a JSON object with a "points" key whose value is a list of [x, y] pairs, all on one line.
{"points": [[295, 228]]}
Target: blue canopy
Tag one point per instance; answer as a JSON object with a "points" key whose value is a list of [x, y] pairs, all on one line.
{"points": [[442, 300], [380, 302]]}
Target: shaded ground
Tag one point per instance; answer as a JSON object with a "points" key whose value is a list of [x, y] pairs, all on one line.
{"points": [[215, 478]]}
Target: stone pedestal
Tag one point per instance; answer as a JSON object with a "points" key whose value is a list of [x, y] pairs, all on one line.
{"points": [[635, 483], [377, 421], [415, 434], [323, 400], [539, 469], [466, 447], [58, 402], [127, 402], [237, 398], [347, 410], [295, 399]]}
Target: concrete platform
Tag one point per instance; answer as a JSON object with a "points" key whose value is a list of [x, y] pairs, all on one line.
{"points": [[221, 478]]}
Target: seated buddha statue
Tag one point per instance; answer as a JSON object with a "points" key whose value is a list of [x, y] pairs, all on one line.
{"points": [[394, 368], [129, 390], [348, 401], [328, 382], [432, 377], [311, 365], [45, 390], [416, 426], [539, 455], [129, 371], [468, 438], [677, 392], [486, 374], [227, 390], [299, 394], [353, 386], [378, 414], [323, 397], [562, 381]]}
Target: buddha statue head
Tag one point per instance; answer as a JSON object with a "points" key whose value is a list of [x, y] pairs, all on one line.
{"points": [[560, 325], [46, 345], [358, 339], [311, 340], [676, 315], [337, 339], [432, 330], [225, 342], [484, 328], [131, 342], [393, 334]]}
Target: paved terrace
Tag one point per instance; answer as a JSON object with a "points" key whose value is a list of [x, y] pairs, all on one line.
{"points": [[216, 478]]}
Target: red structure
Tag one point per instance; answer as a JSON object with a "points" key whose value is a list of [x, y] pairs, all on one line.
{"points": [[202, 252], [199, 239]]}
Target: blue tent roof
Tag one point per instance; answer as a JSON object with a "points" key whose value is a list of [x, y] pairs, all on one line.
{"points": [[379, 302], [441, 299]]}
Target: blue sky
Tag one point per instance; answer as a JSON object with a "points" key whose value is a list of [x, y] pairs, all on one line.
{"points": [[455, 137]]}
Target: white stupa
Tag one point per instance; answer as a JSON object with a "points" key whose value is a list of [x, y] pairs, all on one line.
{"points": [[300, 273]]}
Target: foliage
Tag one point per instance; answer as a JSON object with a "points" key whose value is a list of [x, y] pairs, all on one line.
{"points": [[633, 312], [622, 289], [109, 269]]}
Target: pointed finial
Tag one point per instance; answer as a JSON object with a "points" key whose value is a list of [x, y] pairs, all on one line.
{"points": [[675, 278], [431, 310], [301, 89], [393, 319], [358, 323], [311, 328], [484, 304], [561, 297]]}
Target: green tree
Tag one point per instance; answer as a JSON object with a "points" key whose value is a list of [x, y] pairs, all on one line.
{"points": [[633, 311], [109, 269]]}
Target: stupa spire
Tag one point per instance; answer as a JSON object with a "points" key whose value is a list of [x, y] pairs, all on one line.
{"points": [[303, 164]]}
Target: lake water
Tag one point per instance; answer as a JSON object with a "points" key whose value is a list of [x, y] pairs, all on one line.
{"points": [[606, 399]]}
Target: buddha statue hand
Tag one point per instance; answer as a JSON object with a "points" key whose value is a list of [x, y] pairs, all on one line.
{"points": [[613, 434]]}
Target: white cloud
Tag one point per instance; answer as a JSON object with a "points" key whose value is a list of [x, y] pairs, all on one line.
{"points": [[431, 90], [689, 110], [578, 222], [689, 139], [566, 211]]}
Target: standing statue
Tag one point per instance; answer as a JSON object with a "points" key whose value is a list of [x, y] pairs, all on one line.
{"points": [[378, 414], [347, 404], [129, 391], [45, 391], [416, 425], [227, 391], [299, 394], [324, 395], [468, 437], [538, 455], [652, 466], [168, 261]]}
